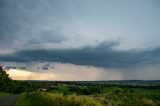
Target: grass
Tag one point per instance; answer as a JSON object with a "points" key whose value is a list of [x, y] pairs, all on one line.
{"points": [[109, 89], [140, 97], [22, 100], [4, 94], [62, 88], [55, 99], [112, 96]]}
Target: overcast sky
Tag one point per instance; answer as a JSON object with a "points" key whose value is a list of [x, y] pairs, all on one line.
{"points": [[108, 39]]}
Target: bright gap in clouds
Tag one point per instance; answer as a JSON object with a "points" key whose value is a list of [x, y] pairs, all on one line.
{"points": [[16, 74], [71, 72], [68, 72]]}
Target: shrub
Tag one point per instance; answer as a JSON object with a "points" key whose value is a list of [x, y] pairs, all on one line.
{"points": [[148, 102]]}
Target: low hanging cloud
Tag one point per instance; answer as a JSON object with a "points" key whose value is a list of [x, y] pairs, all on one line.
{"points": [[103, 55]]}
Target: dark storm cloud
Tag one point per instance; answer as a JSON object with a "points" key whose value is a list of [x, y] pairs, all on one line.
{"points": [[27, 24], [101, 56], [24, 23], [31, 22]]}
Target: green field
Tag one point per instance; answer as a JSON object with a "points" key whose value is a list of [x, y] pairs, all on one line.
{"points": [[4, 94], [55, 99], [110, 96], [138, 97]]}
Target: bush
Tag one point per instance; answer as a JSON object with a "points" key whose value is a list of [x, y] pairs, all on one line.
{"points": [[148, 102]]}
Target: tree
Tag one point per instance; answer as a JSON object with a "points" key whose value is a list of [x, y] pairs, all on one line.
{"points": [[4, 80], [1, 69]]}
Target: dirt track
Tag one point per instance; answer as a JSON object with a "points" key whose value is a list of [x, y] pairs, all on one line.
{"points": [[8, 100]]}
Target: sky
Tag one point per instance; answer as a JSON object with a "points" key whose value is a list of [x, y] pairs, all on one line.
{"points": [[80, 39]]}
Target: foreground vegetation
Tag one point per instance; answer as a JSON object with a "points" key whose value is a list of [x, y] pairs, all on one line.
{"points": [[116, 97], [4, 94], [55, 99], [135, 97]]}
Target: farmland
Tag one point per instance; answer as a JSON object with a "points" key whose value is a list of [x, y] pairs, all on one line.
{"points": [[93, 94]]}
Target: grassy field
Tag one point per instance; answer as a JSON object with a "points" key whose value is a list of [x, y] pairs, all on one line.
{"points": [[4, 94], [111, 96], [55, 99], [139, 98], [23, 100], [83, 93]]}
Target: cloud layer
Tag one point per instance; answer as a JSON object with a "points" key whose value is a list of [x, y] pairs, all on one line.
{"points": [[102, 55], [56, 24], [122, 36]]}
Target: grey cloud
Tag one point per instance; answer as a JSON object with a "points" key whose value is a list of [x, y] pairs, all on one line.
{"points": [[33, 31], [34, 22], [24, 23], [45, 68], [47, 36], [28, 22], [101, 56]]}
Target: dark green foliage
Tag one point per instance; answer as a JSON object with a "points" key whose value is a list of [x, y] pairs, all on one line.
{"points": [[85, 90], [5, 81], [1, 69], [11, 86]]}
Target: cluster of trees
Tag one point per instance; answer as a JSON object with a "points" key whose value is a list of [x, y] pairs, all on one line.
{"points": [[85, 90], [12, 86], [5, 81]]}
